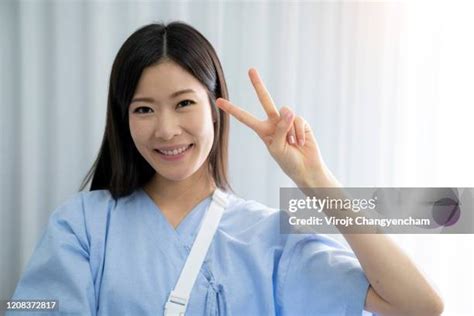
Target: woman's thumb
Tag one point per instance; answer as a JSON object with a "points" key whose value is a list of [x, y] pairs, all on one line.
{"points": [[284, 125]]}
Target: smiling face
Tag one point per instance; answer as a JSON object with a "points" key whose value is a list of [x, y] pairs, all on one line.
{"points": [[171, 121]]}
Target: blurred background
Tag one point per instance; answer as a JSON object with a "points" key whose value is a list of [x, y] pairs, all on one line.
{"points": [[386, 86]]}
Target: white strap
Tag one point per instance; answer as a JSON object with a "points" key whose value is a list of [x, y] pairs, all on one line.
{"points": [[178, 299]]}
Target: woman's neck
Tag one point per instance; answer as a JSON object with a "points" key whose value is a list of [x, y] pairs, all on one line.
{"points": [[187, 192]]}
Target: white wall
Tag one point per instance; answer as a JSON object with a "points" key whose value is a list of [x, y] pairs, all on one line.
{"points": [[386, 86]]}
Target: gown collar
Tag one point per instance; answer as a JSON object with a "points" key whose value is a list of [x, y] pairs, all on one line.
{"points": [[187, 229]]}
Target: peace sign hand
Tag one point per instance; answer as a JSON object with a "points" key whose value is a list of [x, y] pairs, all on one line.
{"points": [[289, 139]]}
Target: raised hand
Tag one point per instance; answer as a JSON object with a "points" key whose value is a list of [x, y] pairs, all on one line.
{"points": [[289, 138]]}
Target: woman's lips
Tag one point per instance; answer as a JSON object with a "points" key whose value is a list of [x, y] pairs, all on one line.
{"points": [[171, 148], [175, 157]]}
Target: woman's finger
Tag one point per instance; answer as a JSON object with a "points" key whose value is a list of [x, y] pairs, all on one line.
{"points": [[282, 128], [291, 137], [263, 95], [299, 126], [242, 115]]}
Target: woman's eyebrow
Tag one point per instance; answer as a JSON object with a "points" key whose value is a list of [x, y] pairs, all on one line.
{"points": [[173, 95]]}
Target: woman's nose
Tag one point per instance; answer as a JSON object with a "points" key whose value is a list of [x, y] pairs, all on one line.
{"points": [[167, 126]]}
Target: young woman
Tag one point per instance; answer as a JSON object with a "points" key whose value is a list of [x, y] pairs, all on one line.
{"points": [[124, 247]]}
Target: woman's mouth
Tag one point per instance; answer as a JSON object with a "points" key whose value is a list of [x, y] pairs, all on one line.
{"points": [[175, 154]]}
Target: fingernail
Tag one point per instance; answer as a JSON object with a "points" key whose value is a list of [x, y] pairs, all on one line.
{"points": [[288, 116], [292, 139], [301, 142]]}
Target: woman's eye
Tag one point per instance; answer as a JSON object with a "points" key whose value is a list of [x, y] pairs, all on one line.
{"points": [[142, 110], [185, 103]]}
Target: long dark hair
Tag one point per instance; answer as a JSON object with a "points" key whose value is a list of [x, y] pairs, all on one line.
{"points": [[119, 167]]}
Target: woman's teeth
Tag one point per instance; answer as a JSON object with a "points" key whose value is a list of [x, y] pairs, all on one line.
{"points": [[175, 151]]}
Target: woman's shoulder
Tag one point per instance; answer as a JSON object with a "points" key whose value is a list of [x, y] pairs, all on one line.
{"points": [[85, 210], [257, 218], [242, 207], [82, 202], [84, 215], [249, 216]]}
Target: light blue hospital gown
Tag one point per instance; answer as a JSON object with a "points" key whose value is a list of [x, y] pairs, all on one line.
{"points": [[101, 257]]}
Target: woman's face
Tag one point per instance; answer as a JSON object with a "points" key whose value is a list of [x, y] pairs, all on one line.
{"points": [[171, 121]]}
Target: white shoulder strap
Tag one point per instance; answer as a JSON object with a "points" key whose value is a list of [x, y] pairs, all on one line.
{"points": [[178, 299]]}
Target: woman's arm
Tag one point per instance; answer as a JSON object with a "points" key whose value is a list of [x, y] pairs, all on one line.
{"points": [[59, 268], [397, 287]]}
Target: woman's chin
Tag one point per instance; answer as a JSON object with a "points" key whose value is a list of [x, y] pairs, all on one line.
{"points": [[176, 176]]}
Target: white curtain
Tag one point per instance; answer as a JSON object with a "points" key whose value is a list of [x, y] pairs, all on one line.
{"points": [[386, 86]]}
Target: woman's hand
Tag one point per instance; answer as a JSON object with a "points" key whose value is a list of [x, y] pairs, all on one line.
{"points": [[289, 138]]}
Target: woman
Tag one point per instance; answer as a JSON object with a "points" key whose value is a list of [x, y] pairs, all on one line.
{"points": [[122, 247]]}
